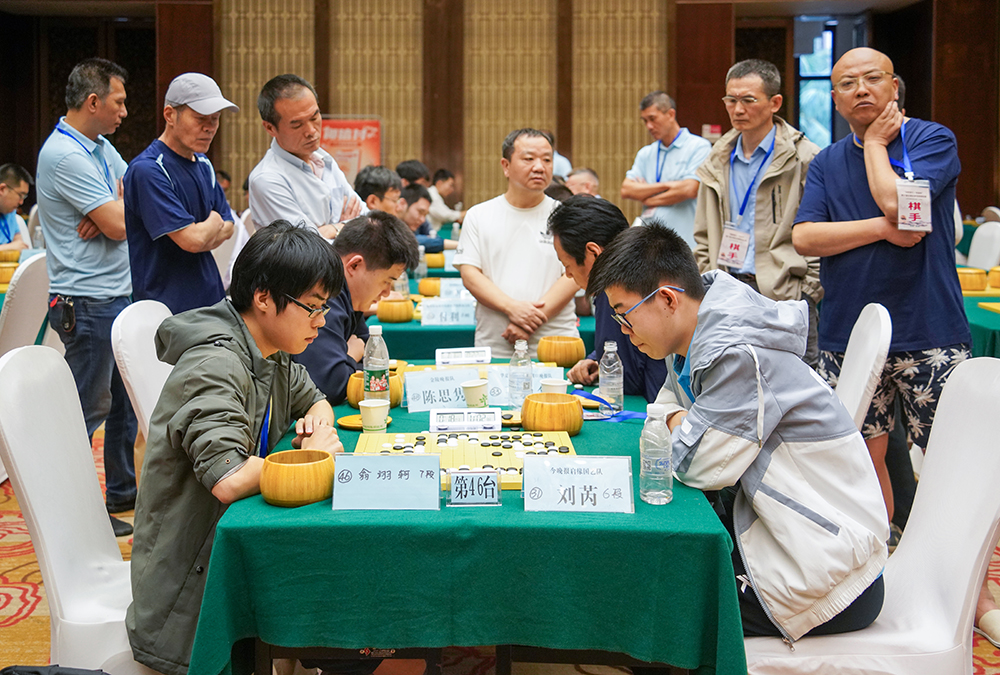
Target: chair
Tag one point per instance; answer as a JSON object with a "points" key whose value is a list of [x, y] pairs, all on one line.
{"points": [[984, 251], [933, 579], [43, 442], [864, 358], [26, 306], [132, 342], [33, 224], [991, 214]]}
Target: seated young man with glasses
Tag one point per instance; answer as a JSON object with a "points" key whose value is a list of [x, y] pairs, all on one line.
{"points": [[750, 420]]}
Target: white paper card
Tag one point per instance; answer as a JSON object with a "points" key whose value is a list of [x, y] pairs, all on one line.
{"points": [[474, 488], [432, 389], [578, 483], [449, 260], [913, 200], [734, 247], [453, 288], [499, 381], [387, 482], [462, 356], [448, 312]]}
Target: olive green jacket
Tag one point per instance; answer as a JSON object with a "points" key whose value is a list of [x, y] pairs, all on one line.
{"points": [[782, 273], [205, 425]]}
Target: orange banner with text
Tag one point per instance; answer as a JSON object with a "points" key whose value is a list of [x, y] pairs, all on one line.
{"points": [[354, 143]]}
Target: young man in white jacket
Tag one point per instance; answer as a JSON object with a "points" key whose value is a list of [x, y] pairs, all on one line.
{"points": [[750, 421]]}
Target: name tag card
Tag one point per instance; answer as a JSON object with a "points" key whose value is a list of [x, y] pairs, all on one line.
{"points": [[499, 381], [474, 488], [590, 484], [453, 288], [387, 482], [913, 199], [433, 389], [734, 247], [462, 356], [448, 312]]}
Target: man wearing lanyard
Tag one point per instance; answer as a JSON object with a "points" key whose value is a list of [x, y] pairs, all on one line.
{"points": [[851, 214], [14, 185], [751, 185], [663, 176], [82, 215]]}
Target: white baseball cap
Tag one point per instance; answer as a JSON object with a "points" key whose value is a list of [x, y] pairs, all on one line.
{"points": [[199, 92]]}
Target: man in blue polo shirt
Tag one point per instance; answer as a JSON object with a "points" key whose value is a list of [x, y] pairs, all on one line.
{"points": [[663, 176], [176, 211], [81, 213]]}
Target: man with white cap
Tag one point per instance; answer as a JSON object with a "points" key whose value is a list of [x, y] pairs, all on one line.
{"points": [[175, 210]]}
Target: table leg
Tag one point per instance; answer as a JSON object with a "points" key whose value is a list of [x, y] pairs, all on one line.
{"points": [[262, 659], [503, 660]]}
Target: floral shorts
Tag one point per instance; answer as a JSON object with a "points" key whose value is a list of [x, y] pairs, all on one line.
{"points": [[916, 376]]}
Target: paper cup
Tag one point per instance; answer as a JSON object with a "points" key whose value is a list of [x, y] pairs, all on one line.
{"points": [[554, 386], [476, 393], [374, 413]]}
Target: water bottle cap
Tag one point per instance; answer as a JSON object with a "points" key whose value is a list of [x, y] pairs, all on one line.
{"points": [[655, 410], [520, 344], [610, 346], [375, 330], [421, 249]]}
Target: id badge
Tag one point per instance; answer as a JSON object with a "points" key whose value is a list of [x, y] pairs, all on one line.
{"points": [[913, 199], [733, 250]]}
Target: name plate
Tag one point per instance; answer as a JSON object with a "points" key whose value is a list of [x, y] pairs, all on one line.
{"points": [[462, 356], [499, 381], [387, 482], [591, 484], [449, 259], [448, 312], [474, 488], [434, 389], [453, 288]]}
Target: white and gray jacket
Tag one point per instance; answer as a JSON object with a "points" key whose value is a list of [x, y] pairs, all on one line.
{"points": [[810, 522]]}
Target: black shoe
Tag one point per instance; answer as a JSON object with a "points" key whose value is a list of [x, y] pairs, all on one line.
{"points": [[121, 507], [120, 527]]}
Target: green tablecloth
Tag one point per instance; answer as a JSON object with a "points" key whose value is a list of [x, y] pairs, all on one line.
{"points": [[985, 327], [657, 585]]}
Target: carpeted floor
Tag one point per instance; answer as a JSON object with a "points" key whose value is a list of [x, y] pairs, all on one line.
{"points": [[24, 612]]}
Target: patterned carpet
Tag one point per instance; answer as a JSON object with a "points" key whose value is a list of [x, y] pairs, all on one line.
{"points": [[24, 612]]}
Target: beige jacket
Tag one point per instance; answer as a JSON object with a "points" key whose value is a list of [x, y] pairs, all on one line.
{"points": [[782, 273]]}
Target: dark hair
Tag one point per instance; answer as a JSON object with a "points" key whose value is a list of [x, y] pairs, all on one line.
{"points": [[91, 76], [376, 180], [14, 174], [282, 86], [660, 99], [441, 175], [414, 192], [643, 258], [413, 170], [223, 175], [381, 238], [558, 191], [901, 100], [584, 218], [284, 260], [508, 143], [766, 71]]}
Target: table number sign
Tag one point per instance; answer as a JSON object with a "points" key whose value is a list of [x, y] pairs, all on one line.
{"points": [[387, 482], [474, 488], [582, 484], [434, 389], [453, 288], [448, 312]]}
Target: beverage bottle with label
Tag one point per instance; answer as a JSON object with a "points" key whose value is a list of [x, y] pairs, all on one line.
{"points": [[612, 378], [656, 478], [520, 374], [376, 366], [421, 271]]}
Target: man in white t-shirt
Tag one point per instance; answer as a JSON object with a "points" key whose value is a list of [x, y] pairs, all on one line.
{"points": [[506, 257]]}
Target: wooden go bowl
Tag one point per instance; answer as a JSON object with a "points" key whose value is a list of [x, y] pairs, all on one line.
{"points": [[394, 311], [297, 477], [972, 279], [435, 260], [356, 389], [552, 412], [430, 286], [561, 350]]}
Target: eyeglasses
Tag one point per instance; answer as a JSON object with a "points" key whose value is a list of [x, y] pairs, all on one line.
{"points": [[850, 84], [22, 195], [620, 316], [747, 101], [313, 311]]}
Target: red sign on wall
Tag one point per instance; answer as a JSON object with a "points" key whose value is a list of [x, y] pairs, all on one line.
{"points": [[354, 143]]}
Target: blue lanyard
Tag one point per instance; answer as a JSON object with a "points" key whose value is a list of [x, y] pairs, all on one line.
{"points": [[684, 376], [905, 165], [732, 178], [264, 430], [107, 171], [659, 167]]}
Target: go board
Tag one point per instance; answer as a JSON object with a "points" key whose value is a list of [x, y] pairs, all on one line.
{"points": [[502, 450]]}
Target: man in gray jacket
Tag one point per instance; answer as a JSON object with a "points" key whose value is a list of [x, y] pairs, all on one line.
{"points": [[749, 419], [751, 185]]}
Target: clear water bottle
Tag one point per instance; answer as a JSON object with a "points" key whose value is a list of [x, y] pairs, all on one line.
{"points": [[376, 366], [612, 375], [402, 285], [520, 374], [656, 478], [421, 271]]}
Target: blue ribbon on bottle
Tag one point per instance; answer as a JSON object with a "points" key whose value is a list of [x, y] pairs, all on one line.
{"points": [[620, 416]]}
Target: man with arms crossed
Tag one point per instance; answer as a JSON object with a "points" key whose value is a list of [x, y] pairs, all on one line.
{"points": [[506, 258], [82, 215], [751, 185], [297, 180], [663, 176]]}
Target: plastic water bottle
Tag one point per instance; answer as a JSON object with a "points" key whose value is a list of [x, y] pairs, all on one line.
{"points": [[376, 366], [612, 375], [402, 285], [421, 271], [520, 374], [656, 478]]}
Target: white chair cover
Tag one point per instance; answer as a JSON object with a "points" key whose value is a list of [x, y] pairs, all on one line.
{"points": [[866, 352], [132, 336], [33, 224], [43, 441], [984, 251], [26, 305], [933, 579]]}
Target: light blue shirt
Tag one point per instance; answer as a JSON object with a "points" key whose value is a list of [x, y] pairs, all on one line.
{"points": [[743, 174], [75, 176], [10, 227], [678, 161]]}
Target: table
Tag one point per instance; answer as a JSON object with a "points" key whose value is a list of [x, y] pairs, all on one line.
{"points": [[657, 585], [985, 327]]}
